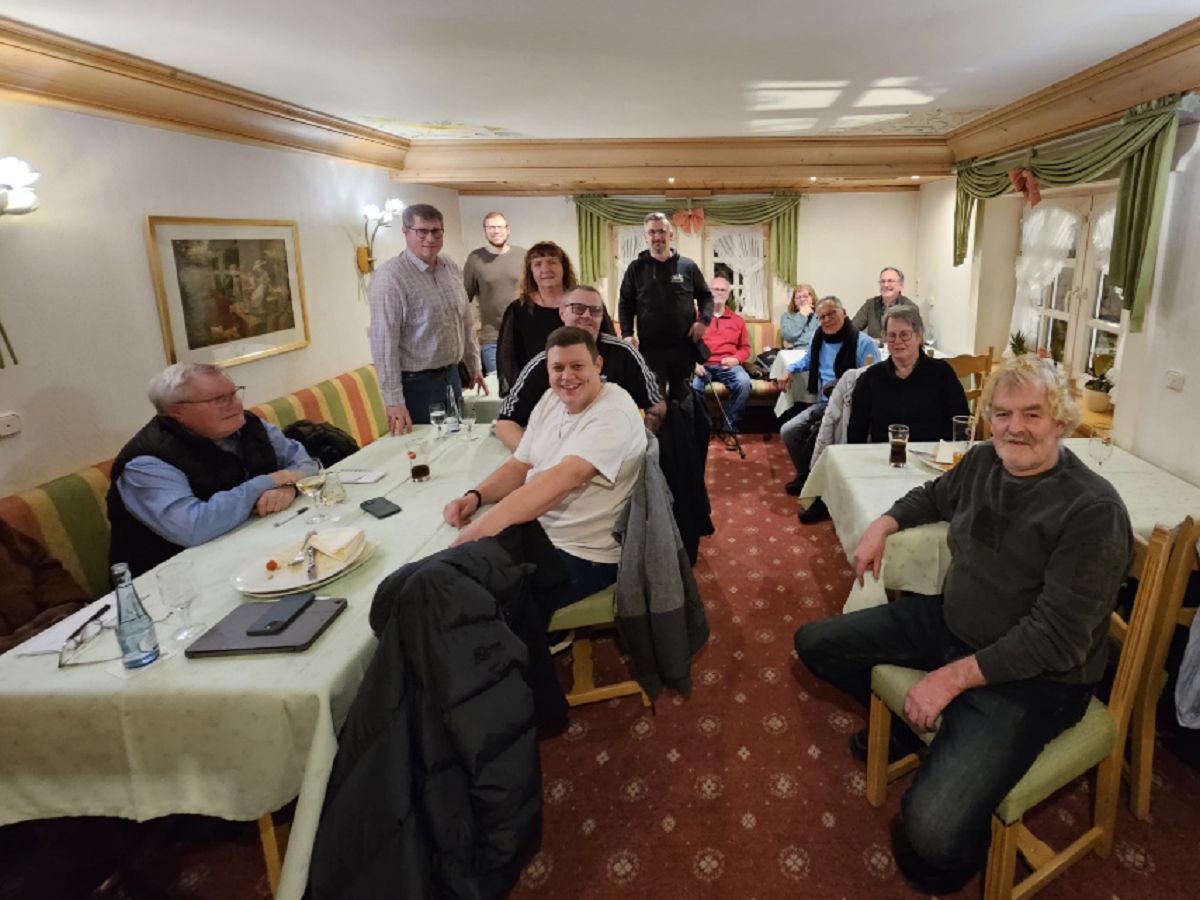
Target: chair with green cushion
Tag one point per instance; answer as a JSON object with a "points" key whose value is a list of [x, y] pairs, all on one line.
{"points": [[1097, 741], [595, 611]]}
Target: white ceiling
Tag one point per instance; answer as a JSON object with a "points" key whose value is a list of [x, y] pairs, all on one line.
{"points": [[625, 68]]}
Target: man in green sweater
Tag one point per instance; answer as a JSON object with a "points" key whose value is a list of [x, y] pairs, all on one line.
{"points": [[1017, 640]]}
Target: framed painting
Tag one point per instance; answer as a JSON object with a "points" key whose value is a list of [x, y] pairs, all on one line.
{"points": [[229, 290]]}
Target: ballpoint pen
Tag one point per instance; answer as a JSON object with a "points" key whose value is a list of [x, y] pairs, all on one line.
{"points": [[295, 513]]}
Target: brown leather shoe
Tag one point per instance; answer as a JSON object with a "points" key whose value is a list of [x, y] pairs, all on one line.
{"points": [[730, 441]]}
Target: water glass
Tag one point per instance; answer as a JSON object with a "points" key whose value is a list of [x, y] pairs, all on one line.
{"points": [[437, 416], [177, 587], [897, 446], [962, 433], [333, 491], [1100, 444], [468, 415]]}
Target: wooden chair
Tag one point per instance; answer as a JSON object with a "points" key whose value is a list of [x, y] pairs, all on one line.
{"points": [[1097, 741], [581, 617], [1182, 563], [972, 370]]}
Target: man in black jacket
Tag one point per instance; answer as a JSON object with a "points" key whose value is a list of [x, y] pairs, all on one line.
{"points": [[666, 295]]}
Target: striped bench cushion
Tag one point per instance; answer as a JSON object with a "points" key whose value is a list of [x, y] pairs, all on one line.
{"points": [[761, 334], [353, 402], [69, 518]]}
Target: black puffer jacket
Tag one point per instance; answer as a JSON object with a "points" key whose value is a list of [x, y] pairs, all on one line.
{"points": [[436, 788]]}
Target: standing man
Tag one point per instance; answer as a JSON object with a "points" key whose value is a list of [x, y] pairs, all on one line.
{"points": [[582, 307], [869, 317], [1017, 641], [421, 325], [729, 347], [666, 295], [491, 275]]}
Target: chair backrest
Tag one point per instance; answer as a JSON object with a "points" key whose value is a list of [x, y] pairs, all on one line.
{"points": [[1148, 609], [1182, 563], [971, 371]]}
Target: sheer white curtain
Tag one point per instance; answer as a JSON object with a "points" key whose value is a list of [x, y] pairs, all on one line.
{"points": [[630, 242], [1102, 235], [1048, 235], [742, 250]]}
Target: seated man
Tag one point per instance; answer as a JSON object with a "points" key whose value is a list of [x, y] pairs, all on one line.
{"points": [[35, 590], [908, 388], [836, 346], [198, 469], [573, 471], [729, 344], [1018, 639], [582, 307]]}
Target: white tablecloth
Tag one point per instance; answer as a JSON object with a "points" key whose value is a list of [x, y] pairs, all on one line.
{"points": [[231, 737], [858, 486]]}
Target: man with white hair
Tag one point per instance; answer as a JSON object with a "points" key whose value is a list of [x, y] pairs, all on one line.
{"points": [[198, 469], [1017, 641]]}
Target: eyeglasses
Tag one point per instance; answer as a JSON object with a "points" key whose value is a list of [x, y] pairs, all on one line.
{"points": [[900, 337], [426, 233], [831, 314], [88, 632], [579, 309], [221, 399], [487, 228], [657, 232]]}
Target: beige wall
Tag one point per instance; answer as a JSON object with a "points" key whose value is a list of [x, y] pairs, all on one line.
{"points": [[76, 295], [942, 290]]}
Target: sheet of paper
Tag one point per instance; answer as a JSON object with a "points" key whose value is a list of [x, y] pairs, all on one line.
{"points": [[360, 476], [52, 639], [945, 452]]}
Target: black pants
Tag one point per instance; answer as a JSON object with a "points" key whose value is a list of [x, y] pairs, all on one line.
{"points": [[674, 368]]}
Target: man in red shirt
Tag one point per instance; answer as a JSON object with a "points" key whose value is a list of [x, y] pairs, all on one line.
{"points": [[729, 345]]}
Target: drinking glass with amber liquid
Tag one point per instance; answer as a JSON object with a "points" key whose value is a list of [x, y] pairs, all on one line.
{"points": [[898, 446]]}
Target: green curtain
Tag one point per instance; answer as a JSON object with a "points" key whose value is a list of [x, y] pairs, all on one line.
{"points": [[593, 213], [1141, 143]]}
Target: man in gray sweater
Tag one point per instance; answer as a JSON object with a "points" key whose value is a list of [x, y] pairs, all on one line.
{"points": [[1016, 642]]}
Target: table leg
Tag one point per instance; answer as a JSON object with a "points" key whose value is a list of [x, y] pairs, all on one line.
{"points": [[274, 846]]}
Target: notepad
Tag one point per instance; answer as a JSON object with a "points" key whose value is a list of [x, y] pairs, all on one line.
{"points": [[360, 476]]}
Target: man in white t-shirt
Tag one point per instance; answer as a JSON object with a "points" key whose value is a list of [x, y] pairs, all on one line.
{"points": [[573, 470]]}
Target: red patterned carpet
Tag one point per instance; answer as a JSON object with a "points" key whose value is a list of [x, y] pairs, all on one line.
{"points": [[745, 790]]}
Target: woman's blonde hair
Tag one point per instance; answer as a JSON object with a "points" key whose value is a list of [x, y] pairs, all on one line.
{"points": [[1030, 368], [812, 292]]}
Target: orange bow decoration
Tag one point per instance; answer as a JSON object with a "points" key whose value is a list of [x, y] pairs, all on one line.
{"points": [[1025, 184], [689, 221]]}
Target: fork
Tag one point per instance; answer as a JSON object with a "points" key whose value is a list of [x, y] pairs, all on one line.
{"points": [[299, 558]]}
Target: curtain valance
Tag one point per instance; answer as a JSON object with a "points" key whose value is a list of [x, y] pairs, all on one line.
{"points": [[1142, 144], [593, 213]]}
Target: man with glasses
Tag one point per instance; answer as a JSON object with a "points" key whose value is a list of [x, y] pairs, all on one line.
{"points": [[729, 348], [666, 296], [421, 323], [491, 275], [198, 469], [582, 307], [869, 317], [908, 388]]}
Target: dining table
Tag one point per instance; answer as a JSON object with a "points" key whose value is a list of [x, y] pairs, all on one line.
{"points": [[858, 485], [234, 737]]}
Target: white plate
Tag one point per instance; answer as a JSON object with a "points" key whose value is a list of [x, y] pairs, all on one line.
{"points": [[367, 552], [256, 578], [930, 462]]}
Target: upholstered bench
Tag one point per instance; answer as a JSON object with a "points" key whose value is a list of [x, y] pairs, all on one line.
{"points": [[69, 517], [762, 392]]}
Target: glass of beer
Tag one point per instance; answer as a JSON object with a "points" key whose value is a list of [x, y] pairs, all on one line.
{"points": [[898, 445], [418, 463], [962, 433]]}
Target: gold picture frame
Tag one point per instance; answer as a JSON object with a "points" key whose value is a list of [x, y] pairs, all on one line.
{"points": [[228, 290]]}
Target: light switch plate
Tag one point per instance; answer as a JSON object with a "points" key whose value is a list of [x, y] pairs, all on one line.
{"points": [[1175, 379], [10, 423]]}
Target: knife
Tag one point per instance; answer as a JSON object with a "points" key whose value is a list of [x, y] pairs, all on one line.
{"points": [[310, 563]]}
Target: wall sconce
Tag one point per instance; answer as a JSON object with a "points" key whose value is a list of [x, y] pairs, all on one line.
{"points": [[16, 196], [375, 218]]}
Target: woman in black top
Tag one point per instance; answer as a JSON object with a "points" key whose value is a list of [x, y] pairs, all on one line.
{"points": [[909, 388]]}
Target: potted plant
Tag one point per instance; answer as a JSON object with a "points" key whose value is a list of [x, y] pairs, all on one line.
{"points": [[1095, 393], [1018, 344]]}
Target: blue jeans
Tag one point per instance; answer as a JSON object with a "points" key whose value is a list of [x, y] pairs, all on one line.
{"points": [[584, 578], [424, 388], [487, 355], [737, 382], [989, 736], [794, 432]]}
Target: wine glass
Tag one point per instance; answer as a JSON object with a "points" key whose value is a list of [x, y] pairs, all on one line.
{"points": [[468, 415], [177, 585], [437, 416], [311, 486], [1100, 444]]}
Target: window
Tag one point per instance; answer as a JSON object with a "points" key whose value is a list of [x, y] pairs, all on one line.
{"points": [[1064, 302], [739, 253]]}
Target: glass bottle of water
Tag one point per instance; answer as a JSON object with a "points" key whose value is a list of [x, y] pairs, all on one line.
{"points": [[453, 417], [135, 629]]}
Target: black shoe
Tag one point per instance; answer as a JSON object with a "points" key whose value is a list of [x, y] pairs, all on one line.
{"points": [[794, 487], [921, 875], [901, 742], [816, 512]]}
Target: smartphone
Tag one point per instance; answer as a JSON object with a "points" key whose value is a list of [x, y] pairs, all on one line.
{"points": [[280, 614], [380, 507]]}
